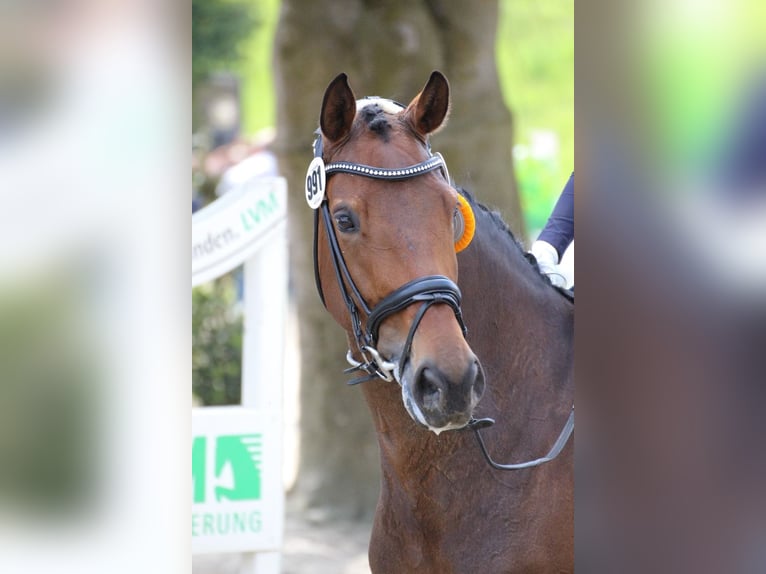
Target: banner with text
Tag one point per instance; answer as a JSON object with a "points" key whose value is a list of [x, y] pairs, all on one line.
{"points": [[229, 230], [236, 480]]}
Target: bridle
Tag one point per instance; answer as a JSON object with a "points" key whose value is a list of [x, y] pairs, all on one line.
{"points": [[428, 291]]}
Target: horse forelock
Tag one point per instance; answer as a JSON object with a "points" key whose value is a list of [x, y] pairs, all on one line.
{"points": [[376, 122], [375, 118], [388, 106]]}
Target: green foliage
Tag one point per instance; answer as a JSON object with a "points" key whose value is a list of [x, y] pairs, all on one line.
{"points": [[535, 60], [258, 99], [216, 343], [48, 392], [222, 33], [218, 29]]}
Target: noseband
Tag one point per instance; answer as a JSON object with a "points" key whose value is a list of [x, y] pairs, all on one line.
{"points": [[427, 291]]}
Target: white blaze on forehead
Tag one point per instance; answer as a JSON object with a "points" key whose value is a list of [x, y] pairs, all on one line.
{"points": [[386, 105]]}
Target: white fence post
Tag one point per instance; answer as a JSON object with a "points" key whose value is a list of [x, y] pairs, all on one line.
{"points": [[238, 503], [265, 316], [263, 353]]}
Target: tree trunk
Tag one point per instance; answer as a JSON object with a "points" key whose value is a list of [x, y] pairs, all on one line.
{"points": [[387, 49]]}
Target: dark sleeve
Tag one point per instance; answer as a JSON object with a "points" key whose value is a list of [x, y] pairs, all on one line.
{"points": [[559, 231], [744, 155]]}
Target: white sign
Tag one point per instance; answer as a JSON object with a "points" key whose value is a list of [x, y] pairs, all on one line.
{"points": [[232, 228], [237, 496], [237, 499]]}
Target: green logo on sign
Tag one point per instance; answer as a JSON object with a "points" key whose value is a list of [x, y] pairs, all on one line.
{"points": [[252, 216], [236, 474]]}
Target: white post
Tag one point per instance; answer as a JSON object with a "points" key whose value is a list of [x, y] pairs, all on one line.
{"points": [[265, 295], [247, 226], [265, 306]]}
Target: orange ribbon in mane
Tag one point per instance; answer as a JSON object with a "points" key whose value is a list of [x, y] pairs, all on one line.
{"points": [[469, 224]]}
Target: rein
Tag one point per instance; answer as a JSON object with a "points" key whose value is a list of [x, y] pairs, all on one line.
{"points": [[429, 290], [477, 424]]}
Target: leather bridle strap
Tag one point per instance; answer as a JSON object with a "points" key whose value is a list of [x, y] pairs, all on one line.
{"points": [[429, 290], [343, 278], [477, 424], [436, 288], [433, 162]]}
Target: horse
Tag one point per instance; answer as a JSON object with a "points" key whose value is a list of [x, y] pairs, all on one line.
{"points": [[446, 318]]}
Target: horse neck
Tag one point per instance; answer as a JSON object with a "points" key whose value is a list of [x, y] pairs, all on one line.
{"points": [[520, 327], [521, 330]]}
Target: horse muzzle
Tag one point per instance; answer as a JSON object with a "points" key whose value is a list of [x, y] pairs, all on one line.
{"points": [[442, 399], [441, 389]]}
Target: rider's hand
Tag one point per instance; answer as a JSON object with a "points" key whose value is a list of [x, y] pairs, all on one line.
{"points": [[548, 261]]}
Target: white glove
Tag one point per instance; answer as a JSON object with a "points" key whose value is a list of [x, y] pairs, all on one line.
{"points": [[548, 261]]}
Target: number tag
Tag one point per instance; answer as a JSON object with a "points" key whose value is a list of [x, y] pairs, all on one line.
{"points": [[315, 183]]}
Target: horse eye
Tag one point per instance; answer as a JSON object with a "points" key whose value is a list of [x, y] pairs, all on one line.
{"points": [[345, 222]]}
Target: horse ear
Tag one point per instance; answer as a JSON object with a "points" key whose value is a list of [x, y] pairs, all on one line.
{"points": [[338, 109], [429, 108]]}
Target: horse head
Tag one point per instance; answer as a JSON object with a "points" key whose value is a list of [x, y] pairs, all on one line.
{"points": [[388, 223]]}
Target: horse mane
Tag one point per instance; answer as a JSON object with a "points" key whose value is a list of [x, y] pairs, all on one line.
{"points": [[502, 226]]}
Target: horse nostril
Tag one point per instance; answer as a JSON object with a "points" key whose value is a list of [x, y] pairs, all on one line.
{"points": [[478, 383], [429, 389], [477, 374]]}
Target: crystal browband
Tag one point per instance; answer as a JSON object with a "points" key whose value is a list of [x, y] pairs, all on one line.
{"points": [[383, 173]]}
